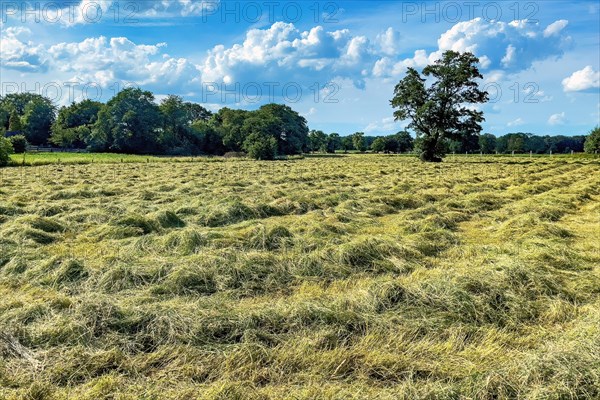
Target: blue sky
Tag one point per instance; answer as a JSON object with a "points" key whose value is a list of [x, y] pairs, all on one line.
{"points": [[335, 62]]}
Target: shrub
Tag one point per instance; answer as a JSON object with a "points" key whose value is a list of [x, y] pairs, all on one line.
{"points": [[234, 154], [6, 150], [261, 146], [19, 143]]}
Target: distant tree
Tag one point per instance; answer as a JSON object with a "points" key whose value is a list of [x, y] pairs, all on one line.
{"points": [[441, 111], [405, 141], [18, 101], [334, 142], [14, 123], [465, 144], [260, 146], [4, 115], [73, 124], [347, 143], [564, 144], [261, 132], [229, 124], [204, 138], [260, 140], [379, 145], [36, 114], [176, 122], [487, 143], [317, 141], [38, 119], [592, 141], [177, 136], [502, 144], [516, 142], [291, 131], [369, 141], [195, 112], [392, 144], [129, 123], [5, 151], [19, 143], [535, 144], [358, 141]]}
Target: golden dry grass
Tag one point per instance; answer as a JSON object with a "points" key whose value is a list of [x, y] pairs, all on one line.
{"points": [[338, 277]]}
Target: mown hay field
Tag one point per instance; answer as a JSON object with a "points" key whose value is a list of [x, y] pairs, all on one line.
{"points": [[359, 277]]}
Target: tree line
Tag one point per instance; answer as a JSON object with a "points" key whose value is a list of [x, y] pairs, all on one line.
{"points": [[132, 122], [518, 142]]}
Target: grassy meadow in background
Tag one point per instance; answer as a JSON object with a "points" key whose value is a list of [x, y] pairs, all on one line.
{"points": [[339, 277]]}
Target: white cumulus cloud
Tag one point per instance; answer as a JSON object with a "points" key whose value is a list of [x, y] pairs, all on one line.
{"points": [[557, 119], [282, 53], [583, 79], [20, 53], [512, 46], [555, 27], [516, 122], [106, 61]]}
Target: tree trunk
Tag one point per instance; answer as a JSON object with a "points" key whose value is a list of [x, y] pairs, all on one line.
{"points": [[430, 145], [429, 157]]}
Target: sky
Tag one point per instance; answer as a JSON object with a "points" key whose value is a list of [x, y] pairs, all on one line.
{"points": [[335, 62]]}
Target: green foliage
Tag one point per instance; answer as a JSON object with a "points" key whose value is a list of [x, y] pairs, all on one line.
{"points": [[35, 114], [334, 142], [129, 123], [318, 141], [285, 125], [14, 123], [175, 120], [521, 142], [73, 124], [358, 141], [465, 144], [6, 150], [195, 112], [516, 142], [592, 142], [4, 116], [438, 113], [206, 138], [405, 142], [487, 143], [37, 120], [378, 145], [400, 142], [19, 143], [347, 143], [229, 123], [261, 146], [185, 128]]}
